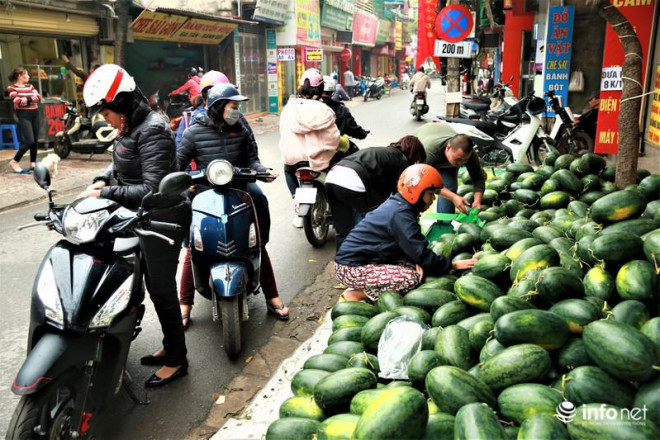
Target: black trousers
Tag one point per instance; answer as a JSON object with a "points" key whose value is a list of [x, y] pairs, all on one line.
{"points": [[161, 260], [344, 204], [28, 123]]}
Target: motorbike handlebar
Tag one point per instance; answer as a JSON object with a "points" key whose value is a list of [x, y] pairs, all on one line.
{"points": [[41, 217], [164, 226], [142, 232]]}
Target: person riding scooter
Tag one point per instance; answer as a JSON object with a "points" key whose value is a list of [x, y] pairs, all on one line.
{"points": [[192, 85], [345, 121], [419, 83]]}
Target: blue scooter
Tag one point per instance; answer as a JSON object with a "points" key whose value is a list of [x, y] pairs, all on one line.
{"points": [[225, 246]]}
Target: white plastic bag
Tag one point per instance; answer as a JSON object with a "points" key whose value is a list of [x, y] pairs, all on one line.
{"points": [[576, 83], [400, 341]]}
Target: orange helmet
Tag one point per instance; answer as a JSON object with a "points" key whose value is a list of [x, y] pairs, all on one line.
{"points": [[416, 179]]}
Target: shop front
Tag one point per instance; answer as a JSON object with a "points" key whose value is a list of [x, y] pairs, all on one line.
{"points": [[365, 30], [336, 22], [167, 46], [36, 39]]}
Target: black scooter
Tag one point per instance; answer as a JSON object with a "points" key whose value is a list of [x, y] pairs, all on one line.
{"points": [[83, 135], [86, 309]]}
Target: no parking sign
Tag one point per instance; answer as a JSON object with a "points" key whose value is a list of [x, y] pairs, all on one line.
{"points": [[454, 23]]}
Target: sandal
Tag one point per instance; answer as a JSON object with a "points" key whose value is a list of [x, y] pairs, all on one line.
{"points": [[273, 310]]}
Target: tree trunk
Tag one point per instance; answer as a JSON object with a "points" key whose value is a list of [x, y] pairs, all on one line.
{"points": [[629, 109], [121, 30]]}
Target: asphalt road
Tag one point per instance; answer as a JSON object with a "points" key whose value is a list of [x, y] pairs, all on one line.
{"points": [[183, 405]]}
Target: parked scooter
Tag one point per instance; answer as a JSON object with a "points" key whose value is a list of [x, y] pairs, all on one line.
{"points": [[486, 108], [82, 135], [374, 88], [86, 309], [418, 106], [226, 246], [568, 137], [527, 141]]}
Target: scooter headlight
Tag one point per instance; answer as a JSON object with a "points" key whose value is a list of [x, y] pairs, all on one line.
{"points": [[116, 304], [220, 172], [49, 295], [252, 235], [82, 228]]}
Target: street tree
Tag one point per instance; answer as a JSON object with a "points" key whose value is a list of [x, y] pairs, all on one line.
{"points": [[631, 103]]}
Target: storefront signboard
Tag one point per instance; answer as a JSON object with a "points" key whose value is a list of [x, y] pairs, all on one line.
{"points": [[271, 61], [313, 55], [271, 11], [653, 134], [398, 35], [426, 10], [385, 28], [338, 14], [156, 26], [559, 44], [308, 23], [203, 31], [365, 28], [640, 15], [286, 54], [237, 59]]}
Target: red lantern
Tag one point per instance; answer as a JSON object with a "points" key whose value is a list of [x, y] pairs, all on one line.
{"points": [[345, 55]]}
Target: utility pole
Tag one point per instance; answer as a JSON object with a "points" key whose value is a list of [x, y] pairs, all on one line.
{"points": [[453, 84]]}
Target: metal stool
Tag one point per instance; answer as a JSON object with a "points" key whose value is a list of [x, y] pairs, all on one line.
{"points": [[14, 136]]}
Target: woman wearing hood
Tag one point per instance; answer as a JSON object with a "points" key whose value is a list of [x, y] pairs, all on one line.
{"points": [[309, 136]]}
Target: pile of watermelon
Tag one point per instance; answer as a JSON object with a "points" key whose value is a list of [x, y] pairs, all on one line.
{"points": [[553, 334]]}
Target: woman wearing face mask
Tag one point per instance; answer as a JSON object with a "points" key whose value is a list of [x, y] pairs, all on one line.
{"points": [[218, 134]]}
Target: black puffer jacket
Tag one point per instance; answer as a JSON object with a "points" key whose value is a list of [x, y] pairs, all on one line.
{"points": [[204, 142], [345, 121], [141, 158]]}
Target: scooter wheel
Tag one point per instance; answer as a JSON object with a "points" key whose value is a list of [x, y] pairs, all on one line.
{"points": [[62, 149]]}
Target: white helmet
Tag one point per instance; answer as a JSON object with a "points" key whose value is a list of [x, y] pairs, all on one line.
{"points": [[329, 84], [104, 84]]}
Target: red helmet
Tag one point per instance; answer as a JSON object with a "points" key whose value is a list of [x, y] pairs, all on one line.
{"points": [[416, 179]]}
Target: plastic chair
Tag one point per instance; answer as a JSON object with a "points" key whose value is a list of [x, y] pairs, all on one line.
{"points": [[14, 135]]}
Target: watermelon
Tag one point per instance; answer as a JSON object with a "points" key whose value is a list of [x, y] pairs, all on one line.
{"points": [[539, 327], [477, 421], [348, 321], [476, 291], [345, 348], [339, 427], [536, 257], [364, 360], [649, 394], [451, 388], [650, 187], [416, 313], [334, 392], [599, 283], [637, 280], [305, 380], [439, 426], [353, 308], [651, 329], [389, 300], [590, 384], [652, 249], [450, 313], [555, 200], [631, 312], [428, 299], [577, 313], [620, 350], [292, 428], [479, 334], [363, 399], [505, 237], [372, 330], [637, 226], [516, 364], [453, 346], [399, 412], [617, 247], [522, 401], [326, 362], [420, 365], [557, 283], [542, 426], [573, 354], [505, 304], [345, 334], [617, 206], [303, 407]]}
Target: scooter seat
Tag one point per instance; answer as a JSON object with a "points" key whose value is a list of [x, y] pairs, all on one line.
{"points": [[490, 128], [475, 106], [477, 99]]}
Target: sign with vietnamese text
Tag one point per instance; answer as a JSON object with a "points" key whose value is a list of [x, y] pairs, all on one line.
{"points": [[271, 66], [313, 55], [426, 14], [271, 11], [203, 31], [559, 43], [610, 79], [365, 28], [653, 134], [156, 26], [640, 15], [286, 54], [461, 49], [308, 23]]}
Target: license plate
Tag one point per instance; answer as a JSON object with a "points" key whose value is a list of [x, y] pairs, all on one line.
{"points": [[420, 101], [305, 195]]}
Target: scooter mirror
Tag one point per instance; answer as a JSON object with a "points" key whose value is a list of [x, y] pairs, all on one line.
{"points": [[174, 183], [41, 175]]}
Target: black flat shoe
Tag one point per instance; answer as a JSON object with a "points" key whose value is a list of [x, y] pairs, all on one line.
{"points": [[153, 361], [155, 381]]}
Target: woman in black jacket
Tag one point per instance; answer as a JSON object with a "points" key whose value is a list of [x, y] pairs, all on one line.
{"points": [[362, 181], [219, 134], [144, 153]]}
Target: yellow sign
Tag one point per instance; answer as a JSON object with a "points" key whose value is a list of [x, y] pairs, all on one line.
{"points": [[398, 43], [157, 26], [314, 55], [653, 134], [203, 31]]}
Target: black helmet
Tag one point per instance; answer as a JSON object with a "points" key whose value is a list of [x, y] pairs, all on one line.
{"points": [[193, 71], [224, 92], [536, 105]]}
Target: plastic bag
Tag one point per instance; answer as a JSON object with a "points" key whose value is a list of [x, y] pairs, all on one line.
{"points": [[576, 83], [470, 217], [400, 341]]}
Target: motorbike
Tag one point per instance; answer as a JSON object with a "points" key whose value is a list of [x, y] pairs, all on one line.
{"points": [[568, 137], [83, 135], [86, 310], [374, 88], [225, 246], [418, 106], [487, 108], [313, 206], [527, 141]]}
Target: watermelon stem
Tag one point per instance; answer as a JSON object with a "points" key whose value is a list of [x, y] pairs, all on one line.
{"points": [[655, 263], [503, 422], [656, 367], [564, 379]]}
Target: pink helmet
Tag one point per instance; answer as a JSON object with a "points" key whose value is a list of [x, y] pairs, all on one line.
{"points": [[213, 77], [313, 75]]}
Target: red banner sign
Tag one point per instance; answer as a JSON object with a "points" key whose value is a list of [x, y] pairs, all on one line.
{"points": [[427, 12], [640, 16], [365, 28]]}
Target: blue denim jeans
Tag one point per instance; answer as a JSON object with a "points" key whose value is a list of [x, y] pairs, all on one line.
{"points": [[450, 180]]}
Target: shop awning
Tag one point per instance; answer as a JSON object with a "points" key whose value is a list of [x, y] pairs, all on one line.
{"points": [[181, 26], [46, 22]]}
